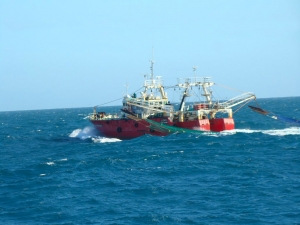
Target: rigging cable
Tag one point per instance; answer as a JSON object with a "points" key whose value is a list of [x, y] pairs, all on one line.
{"points": [[117, 99], [233, 89], [230, 88], [242, 106]]}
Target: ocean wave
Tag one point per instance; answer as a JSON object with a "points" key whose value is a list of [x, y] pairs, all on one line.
{"points": [[283, 132], [104, 140], [87, 132], [273, 132], [91, 133]]}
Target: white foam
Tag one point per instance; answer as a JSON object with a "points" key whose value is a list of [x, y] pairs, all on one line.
{"points": [[246, 131], [283, 132], [75, 133], [218, 134], [87, 132], [104, 140], [91, 132], [50, 163], [273, 132]]}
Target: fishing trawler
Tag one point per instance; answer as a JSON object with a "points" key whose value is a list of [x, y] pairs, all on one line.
{"points": [[152, 113], [208, 115], [153, 104]]}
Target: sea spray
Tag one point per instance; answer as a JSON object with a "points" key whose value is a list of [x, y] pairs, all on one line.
{"points": [[87, 132], [92, 133]]}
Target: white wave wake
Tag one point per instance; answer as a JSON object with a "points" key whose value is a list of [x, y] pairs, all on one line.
{"points": [[104, 139], [273, 132], [284, 132], [91, 132]]}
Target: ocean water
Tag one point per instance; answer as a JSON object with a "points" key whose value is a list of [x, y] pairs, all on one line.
{"points": [[56, 169]]}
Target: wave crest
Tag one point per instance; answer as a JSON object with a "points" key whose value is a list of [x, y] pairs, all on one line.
{"points": [[273, 132], [87, 132], [91, 133]]}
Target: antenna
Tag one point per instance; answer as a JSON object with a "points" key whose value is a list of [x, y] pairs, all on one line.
{"points": [[194, 69], [151, 67], [126, 85]]}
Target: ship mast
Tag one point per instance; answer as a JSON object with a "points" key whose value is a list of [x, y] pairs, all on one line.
{"points": [[151, 69], [204, 82], [207, 94], [126, 85], [187, 84], [195, 70], [153, 83]]}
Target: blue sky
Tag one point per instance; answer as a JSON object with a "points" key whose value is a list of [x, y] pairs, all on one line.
{"points": [[64, 54]]}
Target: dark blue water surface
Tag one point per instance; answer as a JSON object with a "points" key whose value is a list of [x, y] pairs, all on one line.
{"points": [[56, 169]]}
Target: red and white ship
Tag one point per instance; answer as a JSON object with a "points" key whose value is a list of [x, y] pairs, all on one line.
{"points": [[152, 113]]}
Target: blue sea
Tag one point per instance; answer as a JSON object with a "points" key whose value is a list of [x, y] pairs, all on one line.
{"points": [[55, 168]]}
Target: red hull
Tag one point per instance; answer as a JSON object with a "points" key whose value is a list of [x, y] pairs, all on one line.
{"points": [[215, 125], [202, 124], [220, 124], [126, 128]]}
